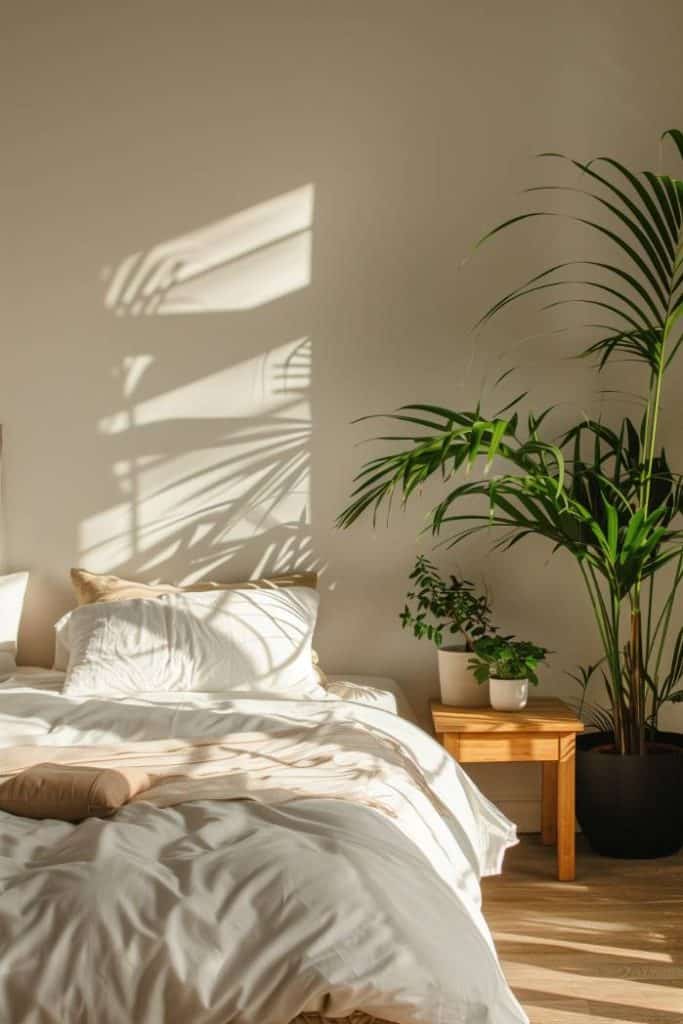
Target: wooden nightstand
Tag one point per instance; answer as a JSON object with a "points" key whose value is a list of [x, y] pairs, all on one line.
{"points": [[546, 732]]}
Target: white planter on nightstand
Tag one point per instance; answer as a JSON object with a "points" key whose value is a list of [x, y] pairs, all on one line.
{"points": [[458, 685], [509, 694]]}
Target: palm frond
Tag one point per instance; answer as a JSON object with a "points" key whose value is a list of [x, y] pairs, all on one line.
{"points": [[646, 228]]}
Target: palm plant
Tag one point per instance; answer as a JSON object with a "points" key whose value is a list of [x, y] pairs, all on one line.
{"points": [[604, 494]]}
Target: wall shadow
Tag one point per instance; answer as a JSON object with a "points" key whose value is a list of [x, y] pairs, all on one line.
{"points": [[219, 465], [195, 488]]}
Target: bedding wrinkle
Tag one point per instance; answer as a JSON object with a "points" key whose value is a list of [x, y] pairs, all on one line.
{"points": [[291, 857]]}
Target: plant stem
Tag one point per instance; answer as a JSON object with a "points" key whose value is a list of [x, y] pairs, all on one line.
{"points": [[608, 626], [656, 403]]}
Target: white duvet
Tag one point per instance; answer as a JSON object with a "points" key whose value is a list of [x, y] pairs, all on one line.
{"points": [[347, 880]]}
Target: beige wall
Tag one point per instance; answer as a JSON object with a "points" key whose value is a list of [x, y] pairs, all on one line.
{"points": [[229, 228]]}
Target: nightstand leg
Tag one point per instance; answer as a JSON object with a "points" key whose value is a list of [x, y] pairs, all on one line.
{"points": [[566, 813], [549, 803]]}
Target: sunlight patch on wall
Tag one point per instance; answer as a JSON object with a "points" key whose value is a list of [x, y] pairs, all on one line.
{"points": [[208, 471], [238, 263]]}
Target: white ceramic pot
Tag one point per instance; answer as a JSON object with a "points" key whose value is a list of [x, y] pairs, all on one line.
{"points": [[458, 685], [509, 694]]}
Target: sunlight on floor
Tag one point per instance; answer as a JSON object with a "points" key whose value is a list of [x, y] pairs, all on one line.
{"points": [[584, 947], [608, 950]]}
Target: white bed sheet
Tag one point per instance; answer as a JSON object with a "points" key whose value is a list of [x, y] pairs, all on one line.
{"points": [[218, 910], [374, 691]]}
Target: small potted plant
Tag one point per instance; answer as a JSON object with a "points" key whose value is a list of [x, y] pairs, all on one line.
{"points": [[442, 609], [508, 665]]}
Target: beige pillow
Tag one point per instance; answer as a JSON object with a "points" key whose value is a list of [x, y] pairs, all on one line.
{"points": [[70, 792], [91, 587]]}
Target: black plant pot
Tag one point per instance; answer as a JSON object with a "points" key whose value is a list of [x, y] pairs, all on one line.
{"points": [[630, 806]]}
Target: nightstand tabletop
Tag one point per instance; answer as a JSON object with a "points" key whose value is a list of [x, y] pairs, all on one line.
{"points": [[542, 714]]}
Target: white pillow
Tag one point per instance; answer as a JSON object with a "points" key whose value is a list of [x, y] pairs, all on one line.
{"points": [[249, 642], [12, 590]]}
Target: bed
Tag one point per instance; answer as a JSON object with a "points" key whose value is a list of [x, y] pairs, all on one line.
{"points": [[292, 860]]}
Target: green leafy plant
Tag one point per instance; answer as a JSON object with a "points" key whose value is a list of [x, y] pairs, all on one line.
{"points": [[502, 657], [442, 607], [605, 494]]}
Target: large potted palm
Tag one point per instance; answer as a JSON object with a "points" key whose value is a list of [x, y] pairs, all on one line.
{"points": [[603, 492]]}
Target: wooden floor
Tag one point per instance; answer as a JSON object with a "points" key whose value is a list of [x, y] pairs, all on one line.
{"points": [[606, 949]]}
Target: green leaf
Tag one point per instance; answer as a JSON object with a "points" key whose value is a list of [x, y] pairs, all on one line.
{"points": [[505, 374], [662, 196], [612, 528], [509, 405], [497, 435], [450, 415], [508, 223], [677, 136]]}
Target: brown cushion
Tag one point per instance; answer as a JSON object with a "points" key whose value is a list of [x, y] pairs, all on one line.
{"points": [[91, 587], [70, 792]]}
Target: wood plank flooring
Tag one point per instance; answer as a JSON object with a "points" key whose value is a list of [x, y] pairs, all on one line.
{"points": [[606, 949]]}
